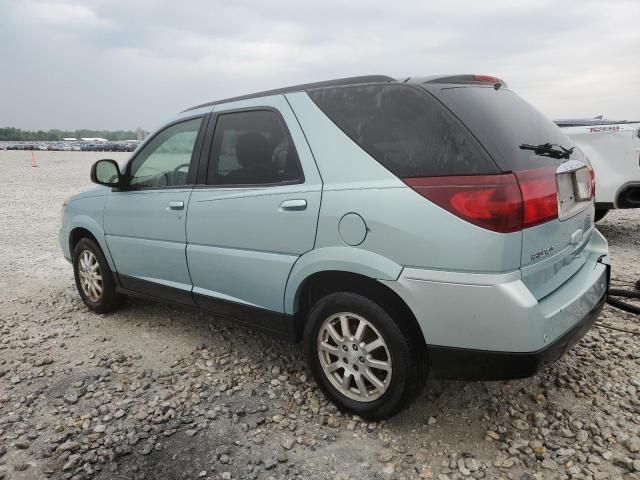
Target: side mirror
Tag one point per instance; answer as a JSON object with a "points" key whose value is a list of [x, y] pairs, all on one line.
{"points": [[106, 172]]}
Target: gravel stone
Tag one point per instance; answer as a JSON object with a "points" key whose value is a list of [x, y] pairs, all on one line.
{"points": [[520, 424], [549, 464], [69, 445], [71, 398], [287, 443], [100, 428], [633, 444], [385, 456], [388, 472]]}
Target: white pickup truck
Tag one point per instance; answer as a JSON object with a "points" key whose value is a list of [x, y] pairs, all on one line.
{"points": [[613, 147]]}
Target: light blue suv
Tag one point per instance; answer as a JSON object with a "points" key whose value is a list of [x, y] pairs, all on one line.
{"points": [[397, 227]]}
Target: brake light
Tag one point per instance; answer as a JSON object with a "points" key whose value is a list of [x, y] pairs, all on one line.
{"points": [[486, 78], [502, 203], [488, 201], [539, 195]]}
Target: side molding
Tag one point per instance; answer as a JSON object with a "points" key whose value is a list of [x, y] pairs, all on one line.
{"points": [[346, 259]]}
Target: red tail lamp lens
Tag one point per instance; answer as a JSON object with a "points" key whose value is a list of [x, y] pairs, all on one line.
{"points": [[592, 174], [539, 195], [488, 201], [501, 203], [486, 78]]}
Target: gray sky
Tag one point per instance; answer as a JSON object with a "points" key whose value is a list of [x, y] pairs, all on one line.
{"points": [[119, 64]]}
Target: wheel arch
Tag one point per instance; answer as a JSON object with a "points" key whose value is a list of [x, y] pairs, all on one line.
{"points": [[340, 259], [86, 227], [78, 234], [324, 282]]}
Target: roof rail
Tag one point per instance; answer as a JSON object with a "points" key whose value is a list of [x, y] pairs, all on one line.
{"points": [[305, 86]]}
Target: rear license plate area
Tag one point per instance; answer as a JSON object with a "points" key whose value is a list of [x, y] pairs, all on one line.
{"points": [[574, 191], [582, 184]]}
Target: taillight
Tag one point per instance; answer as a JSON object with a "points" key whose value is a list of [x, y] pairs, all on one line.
{"points": [[539, 195], [488, 201], [502, 203]]}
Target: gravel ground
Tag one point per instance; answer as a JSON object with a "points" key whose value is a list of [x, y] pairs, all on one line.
{"points": [[158, 392]]}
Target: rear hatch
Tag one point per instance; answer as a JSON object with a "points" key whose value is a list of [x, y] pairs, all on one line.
{"points": [[553, 243]]}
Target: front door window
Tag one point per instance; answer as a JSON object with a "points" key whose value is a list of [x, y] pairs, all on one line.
{"points": [[166, 159]]}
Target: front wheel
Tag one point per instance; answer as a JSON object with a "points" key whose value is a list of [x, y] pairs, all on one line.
{"points": [[361, 358], [94, 279]]}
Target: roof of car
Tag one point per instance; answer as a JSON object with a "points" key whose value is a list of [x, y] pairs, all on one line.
{"points": [[301, 87]]}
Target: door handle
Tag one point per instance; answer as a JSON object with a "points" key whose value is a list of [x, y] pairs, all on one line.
{"points": [[175, 205], [293, 205]]}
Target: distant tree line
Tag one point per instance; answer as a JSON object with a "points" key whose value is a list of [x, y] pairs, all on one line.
{"points": [[10, 134]]}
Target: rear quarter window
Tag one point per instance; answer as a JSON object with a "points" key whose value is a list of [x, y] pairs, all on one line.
{"points": [[404, 128]]}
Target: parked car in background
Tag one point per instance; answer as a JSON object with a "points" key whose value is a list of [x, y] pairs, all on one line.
{"points": [[395, 227], [613, 148], [125, 146]]}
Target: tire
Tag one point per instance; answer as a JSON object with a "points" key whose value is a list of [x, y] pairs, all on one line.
{"points": [[600, 214], [395, 389], [86, 255]]}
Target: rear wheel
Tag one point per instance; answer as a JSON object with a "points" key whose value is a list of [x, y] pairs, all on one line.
{"points": [[94, 278], [360, 356], [600, 214]]}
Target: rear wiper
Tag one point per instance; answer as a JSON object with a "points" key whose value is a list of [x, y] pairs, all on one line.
{"points": [[548, 150]]}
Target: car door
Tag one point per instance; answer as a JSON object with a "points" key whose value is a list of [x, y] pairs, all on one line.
{"points": [[144, 222], [254, 211]]}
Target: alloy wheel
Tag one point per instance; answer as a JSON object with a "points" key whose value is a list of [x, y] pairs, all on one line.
{"points": [[90, 275], [354, 356]]}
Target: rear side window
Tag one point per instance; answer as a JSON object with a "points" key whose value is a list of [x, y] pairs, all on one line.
{"points": [[404, 129], [503, 121], [252, 148]]}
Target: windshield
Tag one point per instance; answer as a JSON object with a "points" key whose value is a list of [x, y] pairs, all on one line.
{"points": [[503, 121]]}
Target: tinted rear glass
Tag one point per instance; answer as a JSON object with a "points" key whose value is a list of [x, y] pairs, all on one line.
{"points": [[403, 128], [502, 121]]}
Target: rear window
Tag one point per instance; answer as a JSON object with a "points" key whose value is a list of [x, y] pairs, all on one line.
{"points": [[503, 121], [404, 129]]}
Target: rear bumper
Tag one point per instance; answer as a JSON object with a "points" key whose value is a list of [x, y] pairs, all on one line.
{"points": [[491, 326], [467, 364]]}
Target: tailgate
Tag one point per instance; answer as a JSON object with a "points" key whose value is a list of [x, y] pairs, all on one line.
{"points": [[554, 251], [552, 248]]}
